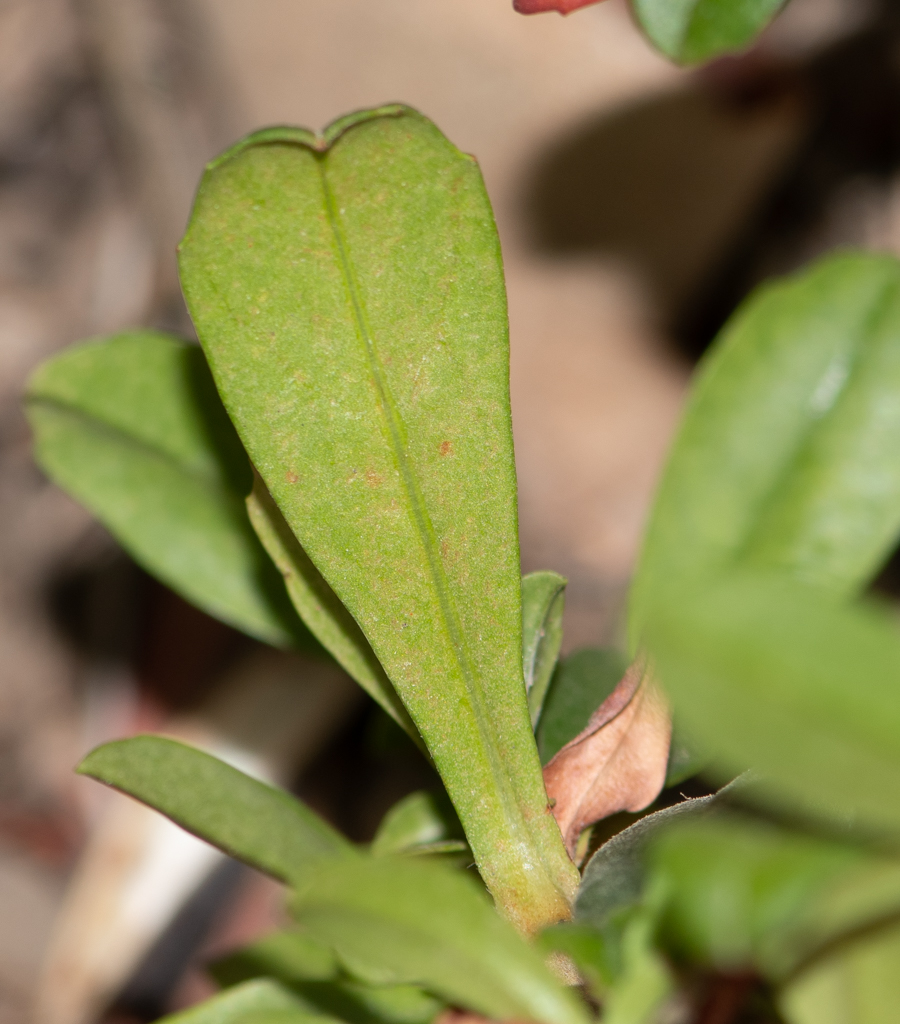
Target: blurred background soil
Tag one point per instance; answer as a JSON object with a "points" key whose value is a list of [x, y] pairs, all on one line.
{"points": [[637, 205]]}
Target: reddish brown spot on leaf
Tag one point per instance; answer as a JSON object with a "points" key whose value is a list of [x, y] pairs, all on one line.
{"points": [[540, 6], [374, 479], [618, 763], [291, 476], [446, 448]]}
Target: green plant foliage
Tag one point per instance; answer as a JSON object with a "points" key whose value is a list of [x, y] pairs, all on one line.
{"points": [[311, 971], [262, 826], [645, 981], [857, 984], [746, 894], [250, 1002], [579, 686], [588, 950], [769, 673], [693, 31], [410, 921], [320, 608], [419, 821], [543, 598], [785, 458], [133, 427], [348, 291]]}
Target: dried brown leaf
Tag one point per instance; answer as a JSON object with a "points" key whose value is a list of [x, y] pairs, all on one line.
{"points": [[618, 763]]}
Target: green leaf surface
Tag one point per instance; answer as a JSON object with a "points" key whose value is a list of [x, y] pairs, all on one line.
{"points": [[242, 1004], [770, 674], [858, 984], [260, 825], [320, 608], [588, 950], [311, 971], [579, 686], [745, 894], [645, 981], [415, 922], [543, 599], [348, 291], [420, 819], [692, 31], [786, 458], [133, 428]]}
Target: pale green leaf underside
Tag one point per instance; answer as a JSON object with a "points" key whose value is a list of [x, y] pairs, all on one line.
{"points": [[351, 302], [404, 921], [133, 428], [786, 457], [691, 31], [263, 826], [320, 608], [543, 599]]}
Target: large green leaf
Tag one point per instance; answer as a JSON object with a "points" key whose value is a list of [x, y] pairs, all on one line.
{"points": [[321, 609], [787, 454], [771, 674], [691, 31], [133, 428], [543, 598], [254, 1001], [580, 685], [409, 921], [263, 826], [858, 984], [742, 894], [348, 291]]}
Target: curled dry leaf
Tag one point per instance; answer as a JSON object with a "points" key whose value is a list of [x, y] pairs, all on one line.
{"points": [[539, 6], [618, 763]]}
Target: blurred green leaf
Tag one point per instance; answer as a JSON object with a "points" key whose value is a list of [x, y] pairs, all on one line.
{"points": [[260, 825], [415, 922], [420, 819], [133, 428], [543, 599], [786, 458], [348, 291], [743, 894], [310, 969], [249, 1002], [579, 686], [588, 950], [692, 31], [321, 609], [858, 984], [770, 674], [645, 981]]}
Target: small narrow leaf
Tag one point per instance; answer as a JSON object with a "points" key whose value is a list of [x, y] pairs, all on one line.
{"points": [[287, 956], [618, 763], [692, 31], [543, 598], [320, 608], [133, 428], [581, 683], [420, 819], [408, 921], [770, 674], [260, 825], [786, 458], [243, 1004], [348, 291]]}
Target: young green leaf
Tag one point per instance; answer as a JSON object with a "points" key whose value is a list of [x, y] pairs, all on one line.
{"points": [[410, 921], [769, 673], [250, 1002], [260, 825], [320, 608], [742, 894], [581, 683], [133, 428], [786, 456], [692, 31], [420, 819], [858, 984], [543, 597], [348, 291], [587, 948]]}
